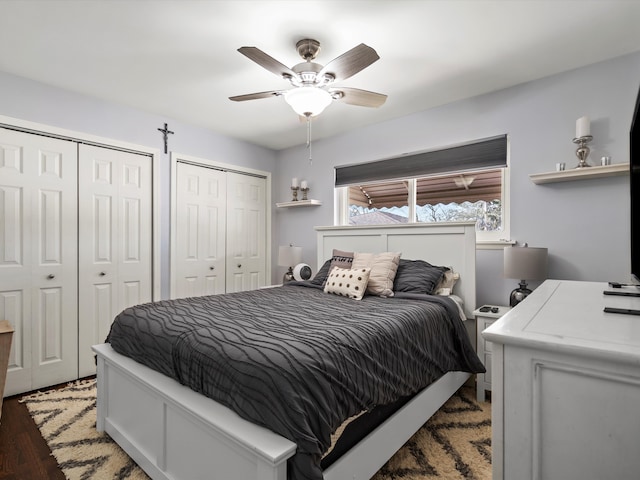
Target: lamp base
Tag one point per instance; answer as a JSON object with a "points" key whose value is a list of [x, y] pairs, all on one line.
{"points": [[288, 277], [519, 294]]}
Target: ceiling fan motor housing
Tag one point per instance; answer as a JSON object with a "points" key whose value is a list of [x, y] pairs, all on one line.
{"points": [[308, 48], [307, 71], [308, 74]]}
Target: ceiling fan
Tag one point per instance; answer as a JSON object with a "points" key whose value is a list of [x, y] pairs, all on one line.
{"points": [[312, 82]]}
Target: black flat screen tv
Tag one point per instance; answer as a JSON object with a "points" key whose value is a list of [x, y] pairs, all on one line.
{"points": [[634, 182]]}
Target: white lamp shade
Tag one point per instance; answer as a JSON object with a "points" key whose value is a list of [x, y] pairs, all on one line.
{"points": [[289, 256], [308, 101], [525, 263]]}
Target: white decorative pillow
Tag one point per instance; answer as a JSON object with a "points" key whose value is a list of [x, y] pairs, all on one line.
{"points": [[350, 283], [449, 279], [383, 270]]}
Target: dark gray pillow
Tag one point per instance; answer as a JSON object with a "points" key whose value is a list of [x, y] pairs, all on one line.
{"points": [[322, 274], [417, 276]]}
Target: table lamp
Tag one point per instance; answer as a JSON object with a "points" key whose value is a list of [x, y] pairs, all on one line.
{"points": [[524, 263], [289, 257]]}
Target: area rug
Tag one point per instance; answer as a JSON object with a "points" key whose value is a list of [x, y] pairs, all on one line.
{"points": [[454, 444]]}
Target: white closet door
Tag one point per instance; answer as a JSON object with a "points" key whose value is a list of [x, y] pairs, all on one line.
{"points": [[38, 258], [200, 231], [246, 232], [114, 218]]}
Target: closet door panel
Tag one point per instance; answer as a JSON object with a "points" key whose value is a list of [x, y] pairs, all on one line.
{"points": [[11, 206], [15, 256], [14, 301], [115, 241], [54, 273], [236, 248], [246, 232], [38, 261], [50, 305], [134, 230], [101, 302], [97, 252], [200, 231]]}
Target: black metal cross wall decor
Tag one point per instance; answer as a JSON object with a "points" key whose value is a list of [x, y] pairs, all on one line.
{"points": [[165, 133]]}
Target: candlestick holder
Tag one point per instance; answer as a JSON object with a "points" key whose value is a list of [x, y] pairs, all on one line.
{"points": [[304, 193], [582, 152], [294, 190]]}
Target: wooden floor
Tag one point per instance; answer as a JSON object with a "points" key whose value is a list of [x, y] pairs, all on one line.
{"points": [[24, 455]]}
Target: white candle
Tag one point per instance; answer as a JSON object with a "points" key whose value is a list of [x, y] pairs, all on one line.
{"points": [[303, 184], [583, 127], [294, 182]]}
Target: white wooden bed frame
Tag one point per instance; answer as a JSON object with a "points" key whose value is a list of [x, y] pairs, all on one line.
{"points": [[174, 433]]}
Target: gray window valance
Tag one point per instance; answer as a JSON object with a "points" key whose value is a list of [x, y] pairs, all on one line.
{"points": [[478, 155]]}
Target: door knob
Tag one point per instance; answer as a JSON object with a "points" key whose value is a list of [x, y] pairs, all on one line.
{"points": [[212, 268], [51, 276], [239, 265], [102, 274]]}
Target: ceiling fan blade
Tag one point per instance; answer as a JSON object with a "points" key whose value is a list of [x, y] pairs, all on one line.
{"points": [[266, 61], [355, 96], [256, 96], [350, 63]]}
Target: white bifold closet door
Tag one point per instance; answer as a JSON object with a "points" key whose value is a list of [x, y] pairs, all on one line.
{"points": [[200, 231], [246, 242], [38, 258], [220, 231], [114, 250], [75, 249]]}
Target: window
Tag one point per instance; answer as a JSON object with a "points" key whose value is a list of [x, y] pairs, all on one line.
{"points": [[375, 204], [477, 194]]}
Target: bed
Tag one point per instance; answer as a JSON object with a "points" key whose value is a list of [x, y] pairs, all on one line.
{"points": [[174, 432]]}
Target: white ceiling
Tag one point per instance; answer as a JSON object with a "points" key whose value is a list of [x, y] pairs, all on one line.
{"points": [[178, 59]]}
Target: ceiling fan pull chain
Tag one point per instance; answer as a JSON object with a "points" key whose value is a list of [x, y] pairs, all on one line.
{"points": [[309, 137]]}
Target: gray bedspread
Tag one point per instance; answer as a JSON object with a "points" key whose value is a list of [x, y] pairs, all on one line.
{"points": [[296, 360]]}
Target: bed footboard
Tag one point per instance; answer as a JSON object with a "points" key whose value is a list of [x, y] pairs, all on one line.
{"points": [[174, 433]]}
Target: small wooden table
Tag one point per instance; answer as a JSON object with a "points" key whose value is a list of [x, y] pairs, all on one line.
{"points": [[6, 334]]}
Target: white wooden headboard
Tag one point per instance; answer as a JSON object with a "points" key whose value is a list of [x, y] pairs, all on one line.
{"points": [[446, 244]]}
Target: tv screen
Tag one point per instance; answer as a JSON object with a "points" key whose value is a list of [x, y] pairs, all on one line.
{"points": [[634, 182]]}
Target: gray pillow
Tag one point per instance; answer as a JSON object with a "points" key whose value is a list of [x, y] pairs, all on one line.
{"points": [[417, 276], [322, 274]]}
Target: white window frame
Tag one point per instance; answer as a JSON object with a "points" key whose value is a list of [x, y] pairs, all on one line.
{"points": [[483, 238]]}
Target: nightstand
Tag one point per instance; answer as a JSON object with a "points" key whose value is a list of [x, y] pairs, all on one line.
{"points": [[484, 320]]}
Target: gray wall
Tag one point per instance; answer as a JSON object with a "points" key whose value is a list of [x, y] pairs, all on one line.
{"points": [[584, 224], [32, 101]]}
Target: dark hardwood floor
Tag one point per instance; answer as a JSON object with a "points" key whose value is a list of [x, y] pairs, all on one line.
{"points": [[24, 455]]}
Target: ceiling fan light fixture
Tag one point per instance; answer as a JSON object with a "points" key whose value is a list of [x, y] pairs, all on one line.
{"points": [[308, 101]]}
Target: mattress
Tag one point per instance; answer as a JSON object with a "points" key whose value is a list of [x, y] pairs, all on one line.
{"points": [[296, 360]]}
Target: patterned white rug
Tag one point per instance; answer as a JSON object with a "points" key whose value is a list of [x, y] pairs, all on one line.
{"points": [[67, 421], [454, 444]]}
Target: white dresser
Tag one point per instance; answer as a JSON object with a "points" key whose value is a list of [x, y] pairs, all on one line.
{"points": [[566, 385]]}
